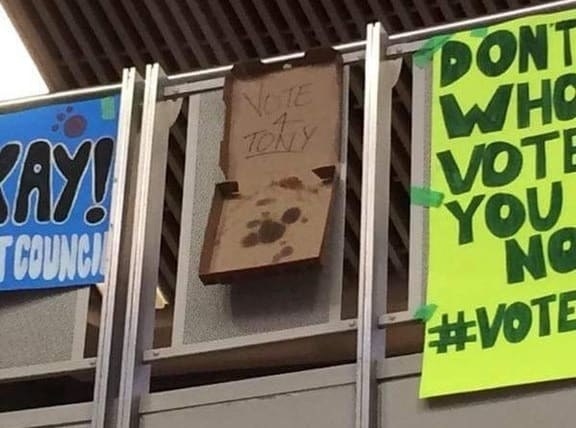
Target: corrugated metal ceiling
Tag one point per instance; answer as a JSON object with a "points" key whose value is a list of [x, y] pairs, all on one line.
{"points": [[79, 43]]}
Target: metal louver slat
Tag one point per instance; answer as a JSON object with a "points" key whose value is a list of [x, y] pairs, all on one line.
{"points": [[381, 15], [285, 7], [145, 32], [334, 16], [81, 77], [268, 21], [209, 34], [446, 9], [424, 11], [103, 37], [177, 13], [102, 73], [357, 18], [226, 26], [400, 7], [166, 30], [116, 25], [253, 35], [318, 27]]}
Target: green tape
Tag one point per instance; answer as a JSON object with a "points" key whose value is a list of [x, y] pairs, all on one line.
{"points": [[426, 197], [479, 32], [425, 54], [108, 108], [425, 312]]}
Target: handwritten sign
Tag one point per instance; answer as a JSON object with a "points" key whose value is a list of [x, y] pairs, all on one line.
{"points": [[502, 245], [286, 119], [287, 132], [55, 191]]}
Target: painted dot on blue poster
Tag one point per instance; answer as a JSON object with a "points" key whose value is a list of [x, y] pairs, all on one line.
{"points": [[72, 125]]}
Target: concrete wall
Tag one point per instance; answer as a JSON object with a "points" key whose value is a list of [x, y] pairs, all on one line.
{"points": [[42, 326]]}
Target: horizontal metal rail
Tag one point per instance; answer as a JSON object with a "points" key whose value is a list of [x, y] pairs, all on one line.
{"points": [[45, 99], [404, 43], [211, 73], [213, 78]]}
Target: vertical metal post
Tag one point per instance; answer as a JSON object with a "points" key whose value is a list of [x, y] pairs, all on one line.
{"points": [[419, 177], [186, 236], [339, 207], [117, 253], [138, 335], [381, 76], [146, 238]]}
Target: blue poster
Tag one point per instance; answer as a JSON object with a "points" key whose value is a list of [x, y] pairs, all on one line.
{"points": [[56, 174]]}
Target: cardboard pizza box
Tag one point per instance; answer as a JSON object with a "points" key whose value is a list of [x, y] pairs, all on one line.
{"points": [[279, 155]]}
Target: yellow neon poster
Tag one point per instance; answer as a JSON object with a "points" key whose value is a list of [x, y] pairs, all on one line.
{"points": [[501, 265]]}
